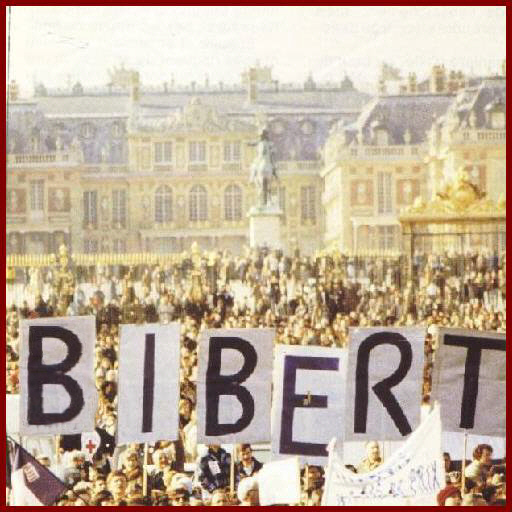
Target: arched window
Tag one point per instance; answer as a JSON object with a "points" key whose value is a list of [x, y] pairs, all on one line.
{"points": [[163, 204], [233, 202], [197, 203]]}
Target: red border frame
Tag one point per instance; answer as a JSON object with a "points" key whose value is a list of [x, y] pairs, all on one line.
{"points": [[3, 146]]}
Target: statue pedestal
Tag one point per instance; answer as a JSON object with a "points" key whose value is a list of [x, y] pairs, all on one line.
{"points": [[265, 226]]}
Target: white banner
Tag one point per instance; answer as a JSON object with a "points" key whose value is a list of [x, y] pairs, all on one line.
{"points": [[58, 395], [309, 401], [12, 414], [149, 383], [469, 381], [384, 382], [413, 475], [234, 386], [279, 482]]}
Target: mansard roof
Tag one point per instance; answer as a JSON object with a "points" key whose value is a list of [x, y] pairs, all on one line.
{"points": [[228, 102], [491, 92], [398, 114]]}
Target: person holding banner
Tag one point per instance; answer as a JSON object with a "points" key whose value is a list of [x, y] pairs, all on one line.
{"points": [[248, 465], [116, 484], [479, 468]]}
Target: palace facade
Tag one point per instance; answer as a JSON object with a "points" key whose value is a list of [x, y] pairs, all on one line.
{"points": [[137, 169]]}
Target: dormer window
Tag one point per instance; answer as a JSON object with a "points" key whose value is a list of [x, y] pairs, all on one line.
{"points": [[381, 136], [380, 133], [307, 128], [496, 115], [472, 119], [87, 130], [498, 120], [117, 130], [278, 127], [407, 136]]}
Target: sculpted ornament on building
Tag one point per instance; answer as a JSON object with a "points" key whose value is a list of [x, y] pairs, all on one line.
{"points": [[458, 198], [196, 117]]}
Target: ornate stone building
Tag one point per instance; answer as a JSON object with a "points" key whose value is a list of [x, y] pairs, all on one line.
{"points": [[374, 167], [471, 136], [406, 146], [138, 169], [131, 169]]}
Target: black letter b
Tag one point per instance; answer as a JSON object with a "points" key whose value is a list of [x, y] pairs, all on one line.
{"points": [[217, 385], [40, 374]]}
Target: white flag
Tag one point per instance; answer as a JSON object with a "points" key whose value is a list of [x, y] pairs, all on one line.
{"points": [[413, 475], [279, 482], [90, 443]]}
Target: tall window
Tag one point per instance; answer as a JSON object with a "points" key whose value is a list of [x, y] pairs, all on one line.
{"points": [[90, 208], [119, 208], [197, 151], [90, 246], [163, 204], [37, 195], [232, 151], [163, 152], [386, 237], [198, 203], [119, 245], [233, 202], [384, 197], [307, 204], [282, 199]]}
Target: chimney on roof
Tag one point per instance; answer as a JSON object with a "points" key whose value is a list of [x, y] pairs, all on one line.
{"points": [[193, 86], [221, 86], [166, 89], [14, 91], [276, 85], [461, 78], [206, 82], [135, 87], [412, 84], [134, 98], [438, 79], [309, 84], [252, 86], [381, 88]]}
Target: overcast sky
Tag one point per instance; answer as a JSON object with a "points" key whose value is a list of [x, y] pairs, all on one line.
{"points": [[58, 44]]}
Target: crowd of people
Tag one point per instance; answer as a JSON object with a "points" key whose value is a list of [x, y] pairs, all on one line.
{"points": [[308, 300]]}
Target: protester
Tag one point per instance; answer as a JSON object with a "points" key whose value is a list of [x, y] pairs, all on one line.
{"points": [[372, 459], [214, 468], [308, 300], [479, 468], [248, 465]]}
